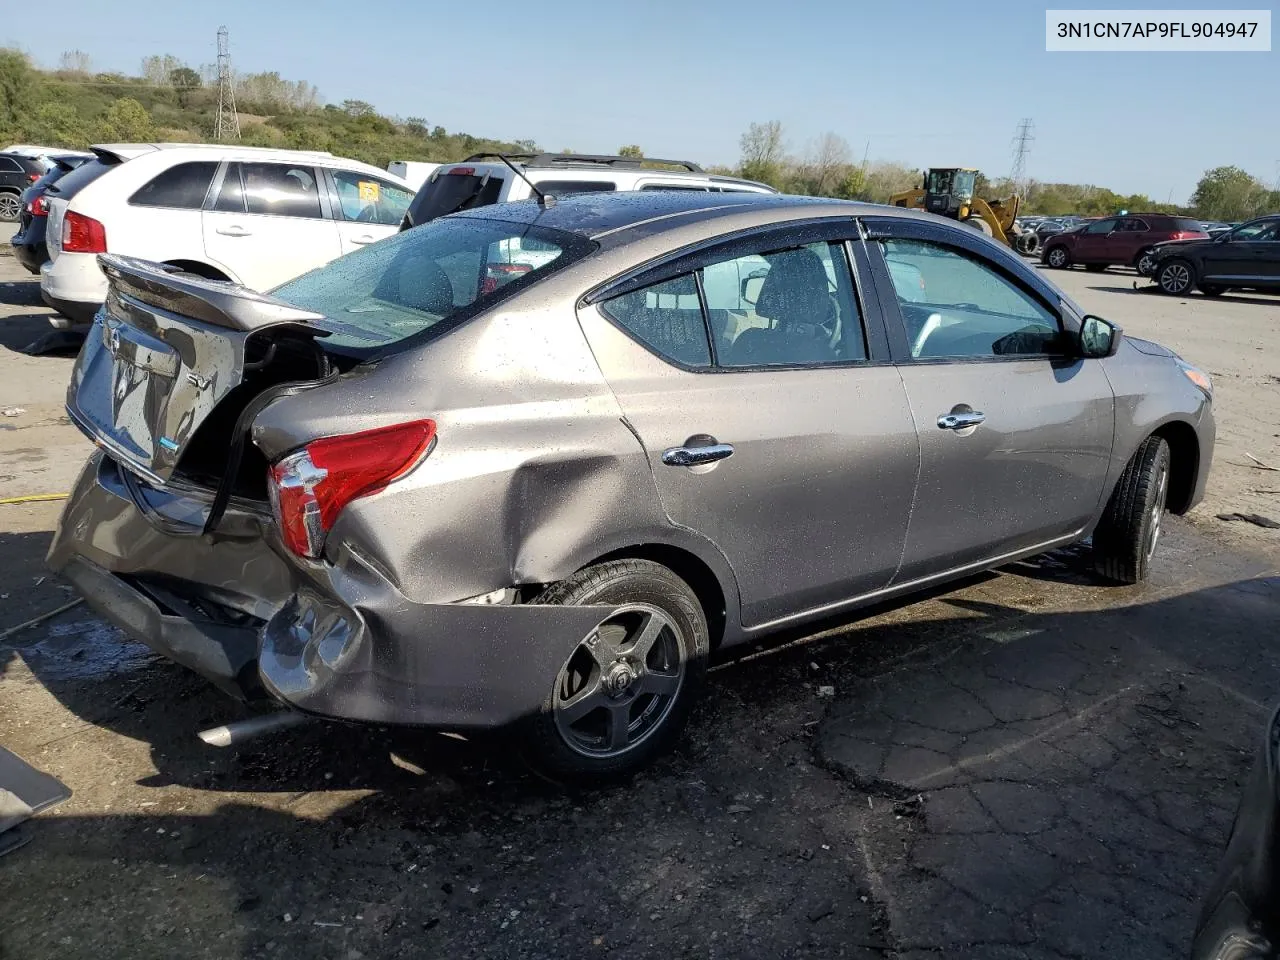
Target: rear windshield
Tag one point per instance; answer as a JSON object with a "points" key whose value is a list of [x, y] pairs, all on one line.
{"points": [[429, 279], [79, 178], [1186, 223], [450, 193]]}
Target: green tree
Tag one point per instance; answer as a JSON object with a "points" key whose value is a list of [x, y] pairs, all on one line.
{"points": [[416, 126], [763, 153], [631, 150], [16, 83], [358, 108], [184, 80], [126, 121], [1229, 193], [57, 124]]}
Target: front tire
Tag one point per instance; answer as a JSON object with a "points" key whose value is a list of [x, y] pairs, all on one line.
{"points": [[1126, 537], [1058, 258], [624, 694], [1176, 277], [1144, 262]]}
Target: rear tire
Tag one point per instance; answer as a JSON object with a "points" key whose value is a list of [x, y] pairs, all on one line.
{"points": [[606, 685], [1176, 277], [1057, 257], [1029, 243], [1129, 532]]}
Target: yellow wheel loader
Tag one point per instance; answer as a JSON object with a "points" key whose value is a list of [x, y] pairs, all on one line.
{"points": [[949, 192]]}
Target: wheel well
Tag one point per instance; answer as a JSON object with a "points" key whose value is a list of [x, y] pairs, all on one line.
{"points": [[1184, 463], [199, 269], [689, 568]]}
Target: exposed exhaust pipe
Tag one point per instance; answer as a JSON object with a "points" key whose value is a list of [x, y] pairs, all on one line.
{"points": [[233, 734]]}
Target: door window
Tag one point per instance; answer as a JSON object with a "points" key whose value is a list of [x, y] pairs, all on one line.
{"points": [[1134, 225], [1102, 226], [367, 199], [970, 308], [182, 186], [1260, 231], [666, 318], [280, 190]]}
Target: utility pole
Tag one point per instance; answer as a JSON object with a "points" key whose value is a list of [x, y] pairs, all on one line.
{"points": [[1022, 140], [228, 123]]}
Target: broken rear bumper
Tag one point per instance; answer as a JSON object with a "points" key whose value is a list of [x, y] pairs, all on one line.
{"points": [[336, 640]]}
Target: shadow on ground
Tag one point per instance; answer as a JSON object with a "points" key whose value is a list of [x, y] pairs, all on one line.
{"points": [[317, 844]]}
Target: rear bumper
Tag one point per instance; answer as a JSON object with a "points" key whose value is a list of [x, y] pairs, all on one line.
{"points": [[337, 640], [74, 284]]}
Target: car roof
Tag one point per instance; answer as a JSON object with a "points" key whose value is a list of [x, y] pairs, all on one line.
{"points": [[130, 151], [613, 216]]}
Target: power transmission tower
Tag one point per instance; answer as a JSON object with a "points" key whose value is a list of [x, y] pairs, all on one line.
{"points": [[228, 125], [1023, 137]]}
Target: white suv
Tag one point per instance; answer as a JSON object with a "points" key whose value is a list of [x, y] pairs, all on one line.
{"points": [[257, 217], [487, 178]]}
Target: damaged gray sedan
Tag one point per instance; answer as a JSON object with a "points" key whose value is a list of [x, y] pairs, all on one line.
{"points": [[527, 467]]}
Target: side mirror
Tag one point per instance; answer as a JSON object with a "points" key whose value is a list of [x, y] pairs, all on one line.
{"points": [[1099, 338]]}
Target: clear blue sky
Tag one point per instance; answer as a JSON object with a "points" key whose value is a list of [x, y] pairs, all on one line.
{"points": [[924, 82]]}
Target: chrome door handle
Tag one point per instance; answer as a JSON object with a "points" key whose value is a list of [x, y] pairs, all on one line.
{"points": [[233, 232], [959, 421], [696, 456]]}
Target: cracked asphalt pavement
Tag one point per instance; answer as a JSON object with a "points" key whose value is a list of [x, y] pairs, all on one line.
{"points": [[1026, 765]]}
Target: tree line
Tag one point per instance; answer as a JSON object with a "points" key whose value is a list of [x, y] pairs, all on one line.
{"points": [[74, 106]]}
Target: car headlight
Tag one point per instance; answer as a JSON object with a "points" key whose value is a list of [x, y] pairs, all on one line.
{"points": [[1196, 376]]}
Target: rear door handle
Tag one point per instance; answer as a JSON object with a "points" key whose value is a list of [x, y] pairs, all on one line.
{"points": [[959, 421], [234, 231], [696, 456], [364, 239]]}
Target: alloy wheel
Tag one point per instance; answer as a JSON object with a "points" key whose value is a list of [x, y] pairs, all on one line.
{"points": [[10, 206], [1175, 278], [1143, 265], [1057, 257], [620, 682], [1156, 513]]}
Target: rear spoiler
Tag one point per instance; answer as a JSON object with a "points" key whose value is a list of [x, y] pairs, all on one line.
{"points": [[215, 302]]}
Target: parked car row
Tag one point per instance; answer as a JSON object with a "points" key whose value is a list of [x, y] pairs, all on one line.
{"points": [[1244, 258], [1117, 241]]}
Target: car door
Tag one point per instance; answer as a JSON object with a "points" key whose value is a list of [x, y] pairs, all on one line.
{"points": [[1015, 430], [269, 222], [1251, 252], [1093, 243], [366, 208], [1131, 235], [785, 439]]}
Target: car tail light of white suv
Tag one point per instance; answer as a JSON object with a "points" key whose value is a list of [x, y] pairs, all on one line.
{"points": [[81, 234]]}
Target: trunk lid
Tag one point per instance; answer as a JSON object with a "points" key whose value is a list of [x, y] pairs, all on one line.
{"points": [[167, 350]]}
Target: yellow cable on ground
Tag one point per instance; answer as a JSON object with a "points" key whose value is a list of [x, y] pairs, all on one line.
{"points": [[35, 498]]}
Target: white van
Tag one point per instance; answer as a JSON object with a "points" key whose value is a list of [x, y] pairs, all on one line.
{"points": [[413, 172]]}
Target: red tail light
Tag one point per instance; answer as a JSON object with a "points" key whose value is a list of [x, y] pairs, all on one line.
{"points": [[33, 177], [309, 488], [81, 234], [39, 207], [496, 274], [1188, 235]]}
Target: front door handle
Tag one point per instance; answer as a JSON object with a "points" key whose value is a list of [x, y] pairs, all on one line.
{"points": [[696, 456], [960, 421], [234, 231], [364, 238]]}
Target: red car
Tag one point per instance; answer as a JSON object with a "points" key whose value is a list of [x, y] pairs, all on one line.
{"points": [[1118, 241]]}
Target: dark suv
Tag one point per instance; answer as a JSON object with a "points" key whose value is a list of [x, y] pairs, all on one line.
{"points": [[16, 174], [1118, 241], [1247, 257]]}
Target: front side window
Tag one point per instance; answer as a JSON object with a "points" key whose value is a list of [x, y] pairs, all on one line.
{"points": [[1102, 226], [962, 307], [367, 199], [183, 186], [1258, 231], [280, 190], [1133, 225]]}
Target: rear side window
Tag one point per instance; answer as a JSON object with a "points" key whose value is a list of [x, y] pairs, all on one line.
{"points": [[10, 165], [567, 188], [429, 279], [367, 199], [1186, 223], [666, 318], [452, 192], [280, 190], [183, 186]]}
